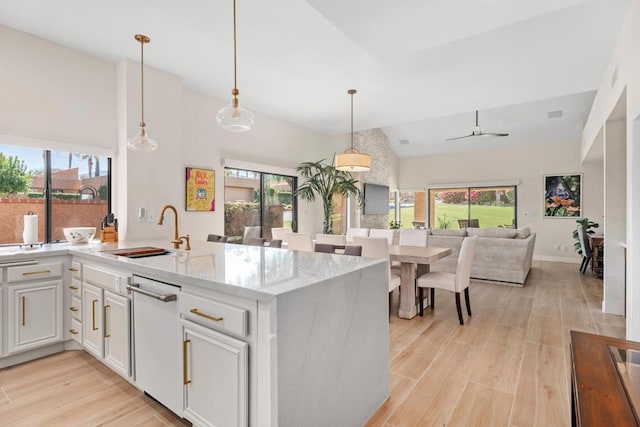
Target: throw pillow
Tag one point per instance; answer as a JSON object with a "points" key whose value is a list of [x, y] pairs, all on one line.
{"points": [[523, 233]]}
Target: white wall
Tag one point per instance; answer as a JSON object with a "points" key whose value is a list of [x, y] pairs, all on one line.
{"points": [[69, 100], [624, 65], [526, 164]]}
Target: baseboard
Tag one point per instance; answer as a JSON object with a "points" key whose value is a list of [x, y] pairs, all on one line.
{"points": [[31, 355], [556, 259]]}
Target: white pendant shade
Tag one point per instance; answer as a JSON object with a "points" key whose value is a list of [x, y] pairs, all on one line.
{"points": [[352, 161], [235, 118]]}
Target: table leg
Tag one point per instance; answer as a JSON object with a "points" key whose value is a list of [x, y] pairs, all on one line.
{"points": [[408, 299]]}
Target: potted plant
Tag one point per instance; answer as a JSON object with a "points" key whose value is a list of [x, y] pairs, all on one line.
{"points": [[588, 228], [324, 181]]}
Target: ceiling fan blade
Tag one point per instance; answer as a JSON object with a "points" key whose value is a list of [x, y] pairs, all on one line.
{"points": [[459, 137], [494, 134]]}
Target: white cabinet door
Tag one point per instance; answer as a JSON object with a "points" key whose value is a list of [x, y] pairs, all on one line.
{"points": [[34, 315], [92, 310], [215, 377], [116, 332]]}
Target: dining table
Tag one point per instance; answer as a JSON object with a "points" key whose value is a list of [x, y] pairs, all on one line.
{"points": [[414, 261]]}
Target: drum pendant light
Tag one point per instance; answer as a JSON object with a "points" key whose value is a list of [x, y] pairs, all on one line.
{"points": [[352, 160], [233, 117], [142, 142]]}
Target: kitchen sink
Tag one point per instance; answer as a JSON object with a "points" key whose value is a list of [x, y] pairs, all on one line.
{"points": [[140, 252]]}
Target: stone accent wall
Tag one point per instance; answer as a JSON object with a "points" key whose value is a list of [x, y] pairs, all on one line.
{"points": [[375, 143]]}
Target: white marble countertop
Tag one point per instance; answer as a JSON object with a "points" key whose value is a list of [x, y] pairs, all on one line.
{"points": [[256, 272]]}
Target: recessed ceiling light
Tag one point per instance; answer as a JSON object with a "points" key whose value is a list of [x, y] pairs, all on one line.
{"points": [[554, 114]]}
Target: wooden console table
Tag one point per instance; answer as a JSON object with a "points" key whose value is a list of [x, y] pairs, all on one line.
{"points": [[598, 396]]}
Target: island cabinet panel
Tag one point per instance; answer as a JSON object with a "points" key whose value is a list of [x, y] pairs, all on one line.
{"points": [[215, 377], [34, 315]]}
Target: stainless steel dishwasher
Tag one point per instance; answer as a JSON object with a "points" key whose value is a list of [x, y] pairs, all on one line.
{"points": [[157, 341]]}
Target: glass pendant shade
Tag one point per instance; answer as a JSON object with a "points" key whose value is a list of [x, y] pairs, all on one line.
{"points": [[142, 142], [235, 118], [352, 161]]}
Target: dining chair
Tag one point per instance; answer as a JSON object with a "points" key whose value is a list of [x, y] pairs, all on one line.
{"points": [[378, 247], [353, 250], [585, 248], [463, 223], [216, 238], [275, 243], [380, 232], [300, 241], [280, 233], [453, 282], [411, 237], [332, 239], [353, 232], [326, 248], [249, 232], [255, 241]]}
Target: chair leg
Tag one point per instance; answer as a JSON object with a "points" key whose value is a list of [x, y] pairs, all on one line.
{"points": [[421, 301], [466, 299], [433, 298], [584, 261], [459, 308]]}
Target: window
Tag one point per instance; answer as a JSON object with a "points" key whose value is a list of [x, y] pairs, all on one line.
{"points": [[484, 207], [255, 202], [64, 189], [408, 208]]}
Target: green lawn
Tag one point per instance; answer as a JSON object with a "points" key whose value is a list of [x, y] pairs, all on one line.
{"points": [[489, 216]]}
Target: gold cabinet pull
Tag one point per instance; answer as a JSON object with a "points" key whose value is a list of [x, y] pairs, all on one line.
{"points": [[93, 315], [74, 309], [29, 273], [185, 380], [73, 269], [73, 331], [24, 306], [73, 288], [104, 321], [206, 316]]}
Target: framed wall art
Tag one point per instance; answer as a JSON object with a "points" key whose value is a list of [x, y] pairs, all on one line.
{"points": [[200, 189], [563, 196]]}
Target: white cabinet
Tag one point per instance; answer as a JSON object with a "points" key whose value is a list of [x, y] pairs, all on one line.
{"points": [[116, 320], [215, 377], [92, 328], [34, 315]]}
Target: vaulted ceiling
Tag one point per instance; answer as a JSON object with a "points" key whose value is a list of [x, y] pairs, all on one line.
{"points": [[421, 67]]}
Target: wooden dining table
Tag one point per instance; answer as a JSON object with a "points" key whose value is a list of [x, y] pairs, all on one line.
{"points": [[410, 257]]}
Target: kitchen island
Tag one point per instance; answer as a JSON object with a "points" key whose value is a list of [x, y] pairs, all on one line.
{"points": [[314, 326]]}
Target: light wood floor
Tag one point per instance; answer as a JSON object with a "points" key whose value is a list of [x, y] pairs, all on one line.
{"points": [[508, 366]]}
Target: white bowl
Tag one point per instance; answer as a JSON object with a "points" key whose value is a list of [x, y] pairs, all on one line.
{"points": [[77, 235]]}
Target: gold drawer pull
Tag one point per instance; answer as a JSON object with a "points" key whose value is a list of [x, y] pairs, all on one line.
{"points": [[184, 362], [73, 331], [206, 316], [74, 309], [105, 322], [73, 288], [24, 302], [93, 315], [73, 269], [29, 273]]}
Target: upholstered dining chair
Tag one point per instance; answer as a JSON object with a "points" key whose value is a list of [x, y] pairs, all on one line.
{"points": [[299, 242], [585, 247], [378, 247], [216, 238], [359, 232], [332, 239], [255, 241], [326, 248], [453, 282], [382, 232], [411, 237], [280, 233], [353, 250]]}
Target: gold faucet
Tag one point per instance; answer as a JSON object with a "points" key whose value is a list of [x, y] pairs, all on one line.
{"points": [[177, 241]]}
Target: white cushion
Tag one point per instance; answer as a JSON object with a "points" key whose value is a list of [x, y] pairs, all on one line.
{"points": [[437, 279]]}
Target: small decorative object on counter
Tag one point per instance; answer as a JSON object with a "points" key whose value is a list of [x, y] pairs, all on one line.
{"points": [[109, 227], [30, 231]]}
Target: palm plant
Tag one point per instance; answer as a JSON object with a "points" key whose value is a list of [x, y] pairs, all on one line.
{"points": [[324, 181]]}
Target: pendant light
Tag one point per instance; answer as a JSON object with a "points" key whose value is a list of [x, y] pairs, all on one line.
{"points": [[142, 142], [352, 160], [233, 117]]}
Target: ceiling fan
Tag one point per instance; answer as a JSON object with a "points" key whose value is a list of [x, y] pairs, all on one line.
{"points": [[478, 132]]}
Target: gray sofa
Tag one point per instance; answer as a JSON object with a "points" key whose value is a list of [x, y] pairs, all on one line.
{"points": [[502, 254]]}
